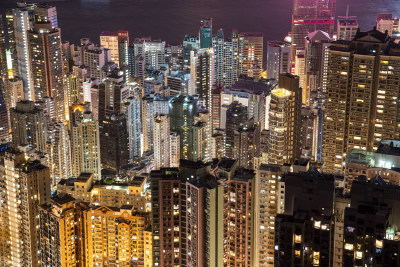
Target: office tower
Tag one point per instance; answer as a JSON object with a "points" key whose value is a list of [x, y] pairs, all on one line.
{"points": [[251, 54], [4, 119], [161, 141], [202, 75], [22, 23], [62, 232], [47, 66], [95, 58], [268, 197], [44, 13], [123, 43], [236, 115], [174, 149], [205, 33], [134, 128], [109, 40], [216, 107], [309, 16], [27, 187], [384, 22], [168, 213], [278, 59], [85, 142], [247, 144], [189, 44], [359, 97], [182, 110], [59, 152], [28, 126], [285, 120], [114, 141], [347, 27]]}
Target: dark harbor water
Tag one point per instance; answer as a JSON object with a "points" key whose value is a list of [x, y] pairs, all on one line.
{"points": [[171, 19]]}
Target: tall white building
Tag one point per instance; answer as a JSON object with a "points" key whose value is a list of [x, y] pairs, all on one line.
{"points": [[22, 24], [134, 128], [175, 154], [278, 59], [161, 141]]}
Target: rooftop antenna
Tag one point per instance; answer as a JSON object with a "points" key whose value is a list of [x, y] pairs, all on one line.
{"points": [[347, 11]]}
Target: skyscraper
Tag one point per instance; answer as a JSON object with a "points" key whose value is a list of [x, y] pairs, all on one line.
{"points": [[28, 186], [134, 128], [109, 40], [309, 16], [22, 23], [161, 141], [46, 65], [182, 110], [4, 119], [236, 115], [202, 75], [278, 59], [59, 151], [285, 121], [85, 143], [205, 33], [251, 54], [28, 125], [360, 107]]}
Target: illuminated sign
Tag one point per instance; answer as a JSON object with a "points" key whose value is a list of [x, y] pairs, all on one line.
{"points": [[313, 21]]}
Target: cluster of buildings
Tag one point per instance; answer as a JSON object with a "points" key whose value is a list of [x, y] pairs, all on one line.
{"points": [[134, 152]]}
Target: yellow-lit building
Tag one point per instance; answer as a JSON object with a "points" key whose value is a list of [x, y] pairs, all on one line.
{"points": [[251, 54], [285, 120], [362, 97]]}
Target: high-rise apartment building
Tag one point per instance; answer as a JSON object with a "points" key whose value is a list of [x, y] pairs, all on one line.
{"points": [[4, 119], [309, 16], [134, 128], [59, 152], [28, 125], [95, 58], [85, 143], [174, 150], [278, 59], [236, 115], [47, 66], [27, 187], [360, 107], [251, 54], [247, 144], [151, 51], [123, 43], [384, 23], [202, 75], [46, 12], [268, 199], [161, 137], [285, 121], [22, 23]]}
